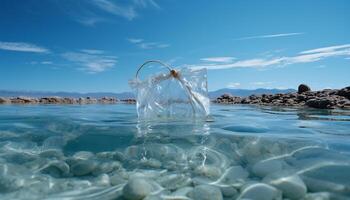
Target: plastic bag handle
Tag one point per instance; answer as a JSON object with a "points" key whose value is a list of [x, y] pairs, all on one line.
{"points": [[171, 70]]}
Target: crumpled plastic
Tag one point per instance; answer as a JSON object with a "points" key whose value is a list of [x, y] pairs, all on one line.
{"points": [[166, 97]]}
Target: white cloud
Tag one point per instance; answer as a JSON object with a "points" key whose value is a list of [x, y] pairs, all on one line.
{"points": [[261, 83], [92, 51], [147, 45], [92, 63], [269, 36], [233, 85], [218, 59], [135, 40], [22, 47], [332, 51], [326, 49], [127, 12]]}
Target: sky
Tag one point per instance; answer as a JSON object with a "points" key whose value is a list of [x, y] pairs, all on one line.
{"points": [[97, 45]]}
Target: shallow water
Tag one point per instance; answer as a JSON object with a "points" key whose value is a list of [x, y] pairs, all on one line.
{"points": [[248, 152]]}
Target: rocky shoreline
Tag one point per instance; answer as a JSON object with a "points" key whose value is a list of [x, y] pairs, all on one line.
{"points": [[62, 100], [324, 99]]}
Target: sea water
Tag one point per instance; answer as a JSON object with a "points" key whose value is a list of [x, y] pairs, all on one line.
{"points": [[104, 152]]}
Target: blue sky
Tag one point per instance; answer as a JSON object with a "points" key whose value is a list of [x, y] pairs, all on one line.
{"points": [[97, 45]]}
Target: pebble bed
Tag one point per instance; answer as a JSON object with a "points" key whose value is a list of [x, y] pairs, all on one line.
{"points": [[205, 165]]}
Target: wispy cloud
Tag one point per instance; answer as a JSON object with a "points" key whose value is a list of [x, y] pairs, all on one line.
{"points": [[233, 85], [91, 12], [92, 51], [312, 55], [269, 36], [147, 45], [218, 59], [90, 62], [261, 83], [22, 47]]}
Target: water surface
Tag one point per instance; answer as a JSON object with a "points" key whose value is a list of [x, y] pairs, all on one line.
{"points": [[92, 151]]}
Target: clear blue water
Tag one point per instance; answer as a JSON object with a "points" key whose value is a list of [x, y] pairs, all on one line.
{"points": [[92, 151]]}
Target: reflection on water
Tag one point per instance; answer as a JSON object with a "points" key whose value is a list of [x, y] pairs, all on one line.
{"points": [[103, 152]]}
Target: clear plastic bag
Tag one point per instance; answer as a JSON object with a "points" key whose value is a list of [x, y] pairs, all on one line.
{"points": [[179, 94]]}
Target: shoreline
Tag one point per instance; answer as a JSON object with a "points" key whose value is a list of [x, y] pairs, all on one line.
{"points": [[304, 97]]}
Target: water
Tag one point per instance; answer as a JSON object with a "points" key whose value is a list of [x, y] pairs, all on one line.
{"points": [[92, 151]]}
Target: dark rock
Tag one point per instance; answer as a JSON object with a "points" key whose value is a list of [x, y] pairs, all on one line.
{"points": [[345, 92], [323, 103], [303, 88]]}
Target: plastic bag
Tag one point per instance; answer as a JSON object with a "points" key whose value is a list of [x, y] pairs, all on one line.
{"points": [[179, 94]]}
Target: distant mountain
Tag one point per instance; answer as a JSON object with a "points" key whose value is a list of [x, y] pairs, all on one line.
{"points": [[127, 95], [245, 92], [8, 93]]}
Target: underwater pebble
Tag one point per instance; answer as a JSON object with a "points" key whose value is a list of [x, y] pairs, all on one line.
{"points": [[174, 181], [102, 180], [57, 169], [208, 171], [228, 191], [52, 153], [83, 167], [318, 196], [84, 155], [106, 167], [182, 191], [235, 174], [206, 192], [152, 163], [116, 179], [136, 189], [259, 191], [10, 183], [290, 184], [265, 167]]}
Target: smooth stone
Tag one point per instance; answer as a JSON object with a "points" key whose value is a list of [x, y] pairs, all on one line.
{"points": [[83, 167], [318, 196], [151, 163], [117, 179], [265, 167], [182, 191], [52, 153], [174, 181], [57, 169], [102, 180], [228, 191], [208, 171], [10, 183], [259, 191], [84, 155], [289, 183], [136, 189], [235, 174], [206, 192], [106, 167]]}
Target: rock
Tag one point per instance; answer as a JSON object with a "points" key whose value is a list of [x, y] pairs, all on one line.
{"points": [[106, 167], [289, 183], [260, 191], [228, 191], [102, 180], [322, 103], [185, 191], [52, 153], [303, 88], [235, 174], [117, 179], [151, 163], [265, 167], [137, 189], [84, 155], [208, 171], [174, 181], [57, 169], [10, 183], [318, 196], [4, 100], [206, 192], [83, 167]]}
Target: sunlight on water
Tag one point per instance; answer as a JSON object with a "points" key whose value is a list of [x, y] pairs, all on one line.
{"points": [[103, 152]]}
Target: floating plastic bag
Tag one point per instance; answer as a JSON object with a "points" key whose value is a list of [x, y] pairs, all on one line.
{"points": [[178, 94]]}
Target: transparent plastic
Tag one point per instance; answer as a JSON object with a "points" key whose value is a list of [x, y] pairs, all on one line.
{"points": [[179, 94]]}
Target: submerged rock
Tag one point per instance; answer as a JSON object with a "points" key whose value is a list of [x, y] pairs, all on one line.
{"points": [[260, 191], [206, 192], [289, 183], [57, 169], [265, 167], [83, 167], [137, 188]]}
